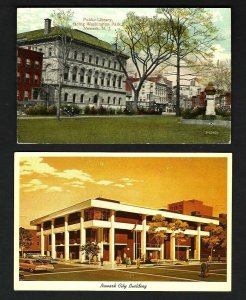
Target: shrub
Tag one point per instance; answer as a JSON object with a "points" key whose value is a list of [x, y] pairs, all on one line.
{"points": [[87, 110], [93, 111], [188, 114], [102, 110], [37, 109], [51, 110], [119, 111], [111, 111]]}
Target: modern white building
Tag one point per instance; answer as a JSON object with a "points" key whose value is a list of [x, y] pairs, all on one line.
{"points": [[119, 230], [92, 76]]}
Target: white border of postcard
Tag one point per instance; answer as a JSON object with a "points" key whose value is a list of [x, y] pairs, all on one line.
{"points": [[118, 285]]}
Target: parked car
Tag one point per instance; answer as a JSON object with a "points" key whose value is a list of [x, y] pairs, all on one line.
{"points": [[33, 265], [48, 259]]}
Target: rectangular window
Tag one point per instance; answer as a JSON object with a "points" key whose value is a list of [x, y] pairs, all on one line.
{"points": [[115, 64], [109, 63], [83, 57], [103, 62], [28, 62], [90, 58], [36, 79], [75, 55], [26, 95], [82, 98], [97, 60], [50, 52], [27, 78], [74, 98]]}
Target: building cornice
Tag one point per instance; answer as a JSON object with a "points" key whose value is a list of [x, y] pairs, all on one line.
{"points": [[121, 207]]}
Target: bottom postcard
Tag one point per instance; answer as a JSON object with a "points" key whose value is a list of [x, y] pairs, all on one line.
{"points": [[123, 222]]}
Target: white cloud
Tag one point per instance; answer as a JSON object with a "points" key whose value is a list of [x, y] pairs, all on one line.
{"points": [[104, 182], [217, 16], [31, 165], [78, 174], [34, 185], [220, 53], [54, 189], [119, 185]]}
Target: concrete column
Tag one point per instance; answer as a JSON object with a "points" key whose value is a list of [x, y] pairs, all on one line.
{"points": [[162, 249], [111, 237], [172, 246], [198, 242], [143, 237], [53, 240], [101, 249], [82, 236], [66, 239], [42, 238], [187, 253]]}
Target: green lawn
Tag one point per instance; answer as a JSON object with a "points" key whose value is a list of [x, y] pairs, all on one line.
{"points": [[118, 130]]}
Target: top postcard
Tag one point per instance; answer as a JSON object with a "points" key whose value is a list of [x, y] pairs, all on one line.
{"points": [[124, 75]]}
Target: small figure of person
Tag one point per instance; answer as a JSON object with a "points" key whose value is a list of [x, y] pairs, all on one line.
{"points": [[101, 260], [204, 269], [95, 259], [126, 260], [138, 262], [209, 258]]}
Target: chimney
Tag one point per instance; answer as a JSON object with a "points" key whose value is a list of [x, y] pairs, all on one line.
{"points": [[47, 26]]}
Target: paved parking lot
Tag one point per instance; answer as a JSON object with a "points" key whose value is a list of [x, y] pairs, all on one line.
{"points": [[181, 273]]}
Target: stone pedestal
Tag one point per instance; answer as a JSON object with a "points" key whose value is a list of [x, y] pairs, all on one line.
{"points": [[210, 109]]}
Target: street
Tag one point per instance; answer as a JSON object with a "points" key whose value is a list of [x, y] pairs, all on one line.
{"points": [[68, 272]]}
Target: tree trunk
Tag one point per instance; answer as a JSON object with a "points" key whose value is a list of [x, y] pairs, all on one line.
{"points": [[178, 87], [58, 111], [135, 101]]}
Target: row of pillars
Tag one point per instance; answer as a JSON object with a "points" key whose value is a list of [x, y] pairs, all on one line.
{"points": [[112, 240]]}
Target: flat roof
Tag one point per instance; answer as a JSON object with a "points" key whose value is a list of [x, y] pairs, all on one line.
{"points": [[117, 206]]}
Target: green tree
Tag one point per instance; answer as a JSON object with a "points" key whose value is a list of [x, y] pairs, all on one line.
{"points": [[62, 20], [219, 73], [216, 239], [193, 34], [148, 43], [90, 249], [25, 239]]}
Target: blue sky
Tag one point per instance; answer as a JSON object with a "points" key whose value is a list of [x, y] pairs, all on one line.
{"points": [[85, 18]]}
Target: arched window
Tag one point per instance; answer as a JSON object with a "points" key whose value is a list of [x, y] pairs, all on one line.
{"points": [[82, 98], [108, 100], [74, 98], [108, 79], [119, 101], [96, 77], [114, 100], [102, 78], [119, 82], [82, 75], [74, 74], [66, 70], [114, 80], [65, 97], [75, 55], [89, 76]]}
